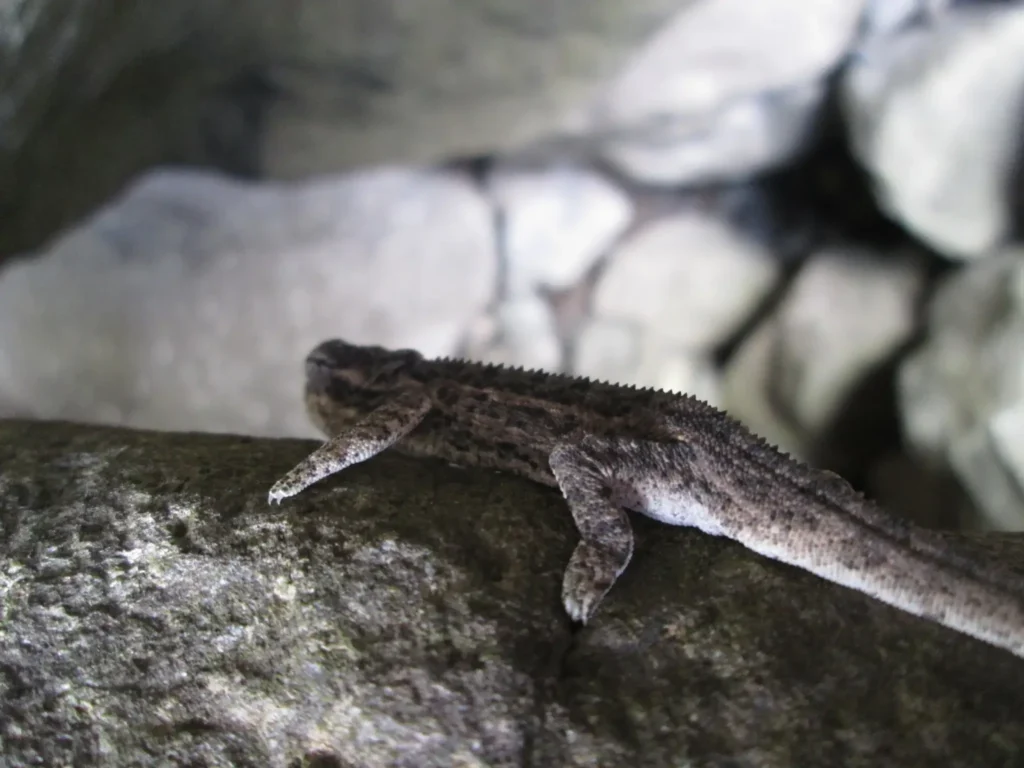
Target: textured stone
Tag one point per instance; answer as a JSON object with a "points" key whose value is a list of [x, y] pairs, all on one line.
{"points": [[190, 302], [746, 381], [156, 611], [523, 335], [914, 492], [612, 351], [607, 350], [728, 89], [934, 115], [960, 392], [556, 222], [92, 93], [386, 81], [888, 16], [691, 276], [843, 317]]}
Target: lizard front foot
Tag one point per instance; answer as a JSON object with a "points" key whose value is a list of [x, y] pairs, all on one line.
{"points": [[588, 577], [287, 486]]}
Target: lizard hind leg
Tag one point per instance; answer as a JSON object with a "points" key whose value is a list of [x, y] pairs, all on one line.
{"points": [[606, 539]]}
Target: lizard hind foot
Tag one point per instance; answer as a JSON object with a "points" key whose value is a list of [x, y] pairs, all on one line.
{"points": [[588, 577]]}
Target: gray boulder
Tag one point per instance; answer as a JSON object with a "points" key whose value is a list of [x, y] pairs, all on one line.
{"points": [[155, 611]]}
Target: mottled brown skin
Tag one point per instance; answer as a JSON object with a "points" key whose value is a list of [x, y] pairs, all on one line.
{"points": [[609, 448]]}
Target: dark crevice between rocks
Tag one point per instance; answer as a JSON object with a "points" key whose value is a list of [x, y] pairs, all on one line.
{"points": [[550, 676]]}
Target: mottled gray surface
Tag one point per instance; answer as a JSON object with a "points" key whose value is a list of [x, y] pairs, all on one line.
{"points": [[805, 368], [154, 609], [92, 92], [189, 302], [960, 390], [934, 114], [692, 276], [728, 88]]}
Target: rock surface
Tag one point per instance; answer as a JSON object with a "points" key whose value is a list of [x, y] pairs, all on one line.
{"points": [[935, 115], [190, 302], [522, 334], [555, 223], [960, 392], [614, 351], [843, 318], [726, 90], [692, 276], [155, 610], [93, 93]]}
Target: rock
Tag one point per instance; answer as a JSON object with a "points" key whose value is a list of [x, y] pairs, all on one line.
{"points": [[191, 301], [725, 91], [690, 276], [39, 40], [612, 351], [934, 115], [94, 93], [556, 222], [157, 610], [607, 350], [746, 384], [275, 89], [960, 394], [523, 335], [914, 492], [421, 82], [844, 316], [888, 16]]}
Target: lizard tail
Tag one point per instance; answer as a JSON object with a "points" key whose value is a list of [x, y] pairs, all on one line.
{"points": [[913, 569]]}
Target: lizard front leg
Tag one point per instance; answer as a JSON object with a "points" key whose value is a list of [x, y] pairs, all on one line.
{"points": [[381, 429]]}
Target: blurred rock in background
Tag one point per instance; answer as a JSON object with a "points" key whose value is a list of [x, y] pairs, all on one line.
{"points": [[803, 213]]}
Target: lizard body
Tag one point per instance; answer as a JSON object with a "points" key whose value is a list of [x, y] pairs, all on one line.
{"points": [[672, 457]]}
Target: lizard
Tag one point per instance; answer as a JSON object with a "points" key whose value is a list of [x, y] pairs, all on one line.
{"points": [[611, 448]]}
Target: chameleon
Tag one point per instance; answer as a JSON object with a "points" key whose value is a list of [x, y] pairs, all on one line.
{"points": [[611, 448]]}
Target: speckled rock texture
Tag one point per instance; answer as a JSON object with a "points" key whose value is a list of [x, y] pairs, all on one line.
{"points": [[154, 610]]}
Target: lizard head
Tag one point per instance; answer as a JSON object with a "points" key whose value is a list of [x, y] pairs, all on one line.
{"points": [[346, 381]]}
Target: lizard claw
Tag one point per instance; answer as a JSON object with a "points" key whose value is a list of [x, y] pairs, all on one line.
{"points": [[578, 612], [581, 598], [278, 492]]}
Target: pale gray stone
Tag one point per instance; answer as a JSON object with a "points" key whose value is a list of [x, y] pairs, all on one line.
{"points": [[379, 81], [406, 613], [666, 366], [692, 277], [607, 350], [935, 116], [888, 16], [746, 380], [191, 301], [728, 89], [612, 351], [93, 93], [846, 312], [556, 222], [523, 335], [961, 392]]}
